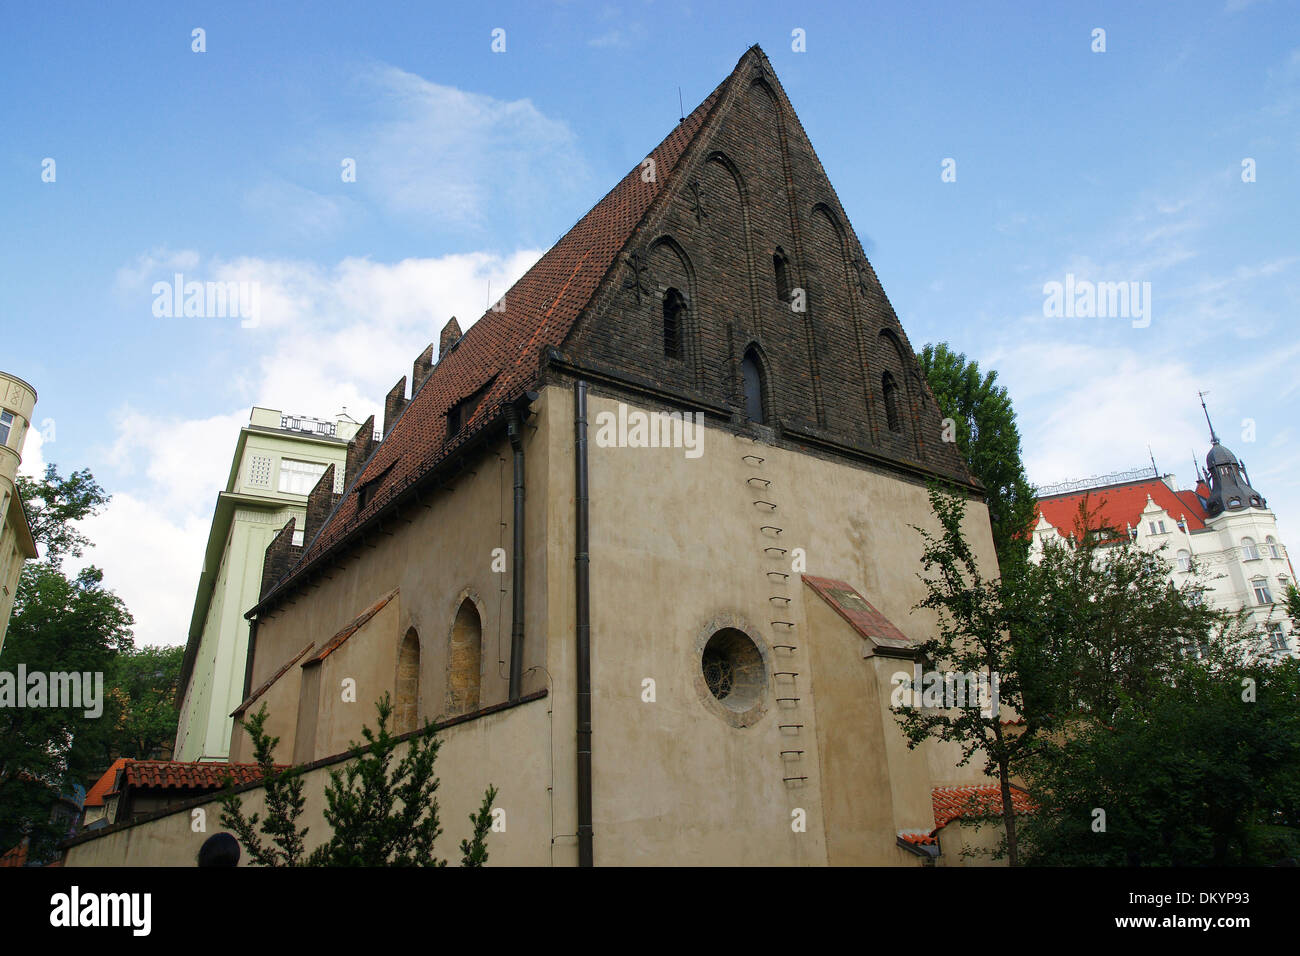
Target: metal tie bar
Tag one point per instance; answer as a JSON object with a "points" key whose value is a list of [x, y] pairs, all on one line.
{"points": [[751, 458]]}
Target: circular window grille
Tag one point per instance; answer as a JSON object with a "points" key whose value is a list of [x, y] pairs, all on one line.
{"points": [[733, 670]]}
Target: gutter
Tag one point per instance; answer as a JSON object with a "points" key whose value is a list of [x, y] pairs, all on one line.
{"points": [[514, 431]]}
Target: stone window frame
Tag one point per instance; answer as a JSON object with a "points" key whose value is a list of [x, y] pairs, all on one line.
{"points": [[731, 621]]}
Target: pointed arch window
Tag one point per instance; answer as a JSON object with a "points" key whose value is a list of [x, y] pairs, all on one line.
{"points": [[781, 269], [466, 660], [674, 324], [406, 704], [755, 382], [889, 388]]}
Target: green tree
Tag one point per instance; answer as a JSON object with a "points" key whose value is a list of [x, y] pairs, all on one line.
{"points": [[988, 439], [282, 788], [59, 624], [142, 687], [54, 503], [1202, 770], [379, 814]]}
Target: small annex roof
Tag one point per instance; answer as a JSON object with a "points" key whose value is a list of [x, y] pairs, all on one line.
{"points": [[861, 615]]}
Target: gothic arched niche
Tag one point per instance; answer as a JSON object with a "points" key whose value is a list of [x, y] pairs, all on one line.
{"points": [[406, 697], [831, 308], [466, 660]]}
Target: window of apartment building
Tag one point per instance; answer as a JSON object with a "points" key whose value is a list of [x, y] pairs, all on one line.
{"points": [[6, 426], [1273, 550], [1262, 593], [299, 477], [1277, 638], [1184, 561], [1162, 526], [1248, 550]]}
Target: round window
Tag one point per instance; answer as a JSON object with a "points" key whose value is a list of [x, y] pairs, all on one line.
{"points": [[733, 670]]}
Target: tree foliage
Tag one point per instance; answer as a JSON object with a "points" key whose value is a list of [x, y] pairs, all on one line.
{"points": [[380, 813], [54, 503], [989, 441]]}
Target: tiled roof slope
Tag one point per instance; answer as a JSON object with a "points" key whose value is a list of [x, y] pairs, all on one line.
{"points": [[539, 310], [105, 784], [1120, 506], [179, 775], [977, 800]]}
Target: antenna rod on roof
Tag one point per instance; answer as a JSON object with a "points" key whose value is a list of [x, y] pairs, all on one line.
{"points": [[681, 106], [1214, 439], [1154, 470]]}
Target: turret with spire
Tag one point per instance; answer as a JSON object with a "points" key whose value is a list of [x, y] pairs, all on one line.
{"points": [[1230, 488]]}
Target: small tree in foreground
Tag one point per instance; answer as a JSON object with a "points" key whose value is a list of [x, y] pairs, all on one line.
{"points": [[380, 814]]}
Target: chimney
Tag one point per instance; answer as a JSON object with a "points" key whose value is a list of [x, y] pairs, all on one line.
{"points": [[320, 502], [281, 555], [422, 367], [359, 449], [450, 334], [393, 405]]}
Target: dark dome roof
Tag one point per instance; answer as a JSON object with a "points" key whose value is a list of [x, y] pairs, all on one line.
{"points": [[1219, 455]]}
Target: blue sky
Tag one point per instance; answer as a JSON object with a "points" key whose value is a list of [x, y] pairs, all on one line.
{"points": [[1115, 166]]}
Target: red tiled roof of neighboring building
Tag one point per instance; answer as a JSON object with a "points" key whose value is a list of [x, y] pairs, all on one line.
{"points": [[918, 837], [858, 611], [1120, 506], [104, 785], [503, 349], [182, 775], [977, 800], [352, 627]]}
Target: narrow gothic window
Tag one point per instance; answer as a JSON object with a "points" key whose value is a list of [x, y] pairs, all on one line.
{"points": [[466, 660], [781, 267], [890, 389], [674, 322], [407, 703], [752, 372]]}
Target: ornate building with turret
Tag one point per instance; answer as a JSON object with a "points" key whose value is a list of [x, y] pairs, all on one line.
{"points": [[1221, 530]]}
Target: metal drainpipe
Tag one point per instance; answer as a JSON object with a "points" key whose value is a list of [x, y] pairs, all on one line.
{"points": [[517, 574], [582, 580]]}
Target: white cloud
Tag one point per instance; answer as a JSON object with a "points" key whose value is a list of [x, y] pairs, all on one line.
{"points": [[327, 337]]}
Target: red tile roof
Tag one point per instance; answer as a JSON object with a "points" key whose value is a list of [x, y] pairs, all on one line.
{"points": [[979, 800], [1121, 505], [181, 775], [539, 311], [859, 612], [104, 785]]}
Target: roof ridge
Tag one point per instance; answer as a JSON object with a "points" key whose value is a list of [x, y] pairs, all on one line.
{"points": [[540, 309]]}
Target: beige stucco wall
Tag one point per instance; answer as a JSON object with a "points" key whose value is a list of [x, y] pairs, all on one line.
{"points": [[677, 551], [495, 748], [19, 398]]}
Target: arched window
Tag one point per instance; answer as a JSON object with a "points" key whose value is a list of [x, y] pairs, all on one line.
{"points": [[1248, 550], [406, 703], [1184, 561], [1273, 551], [751, 370], [674, 323], [781, 269], [466, 660], [890, 389]]}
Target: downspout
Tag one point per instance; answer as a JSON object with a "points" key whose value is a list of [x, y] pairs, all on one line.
{"points": [[582, 581], [248, 658], [515, 432]]}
